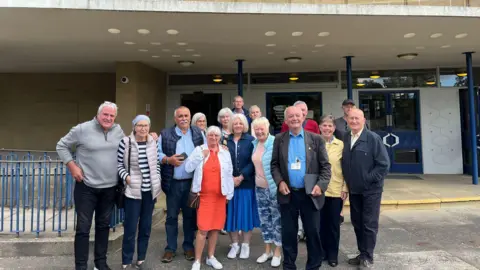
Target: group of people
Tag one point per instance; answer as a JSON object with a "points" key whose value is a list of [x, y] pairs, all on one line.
{"points": [[243, 176]]}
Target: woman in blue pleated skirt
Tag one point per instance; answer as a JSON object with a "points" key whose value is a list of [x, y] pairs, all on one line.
{"points": [[242, 213]]}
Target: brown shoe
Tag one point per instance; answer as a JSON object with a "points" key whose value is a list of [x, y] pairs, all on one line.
{"points": [[168, 257], [189, 255]]}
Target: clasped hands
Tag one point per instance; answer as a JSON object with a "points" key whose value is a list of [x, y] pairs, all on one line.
{"points": [[283, 188]]}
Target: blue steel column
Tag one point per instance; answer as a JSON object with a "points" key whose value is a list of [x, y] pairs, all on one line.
{"points": [[473, 118], [240, 76], [349, 77]]}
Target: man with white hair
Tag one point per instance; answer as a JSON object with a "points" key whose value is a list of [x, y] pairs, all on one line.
{"points": [[238, 108], [95, 171], [174, 146]]}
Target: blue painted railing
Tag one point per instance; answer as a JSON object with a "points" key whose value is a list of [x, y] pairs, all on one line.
{"points": [[36, 194]]}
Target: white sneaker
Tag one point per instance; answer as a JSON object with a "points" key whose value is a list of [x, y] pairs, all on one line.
{"points": [[245, 252], [213, 262], [276, 261], [265, 257], [234, 250], [196, 265]]}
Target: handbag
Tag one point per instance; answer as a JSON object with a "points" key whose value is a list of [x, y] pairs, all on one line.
{"points": [[120, 188], [194, 198]]}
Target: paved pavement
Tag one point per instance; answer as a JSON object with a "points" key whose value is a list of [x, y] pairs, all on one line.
{"points": [[413, 239]]}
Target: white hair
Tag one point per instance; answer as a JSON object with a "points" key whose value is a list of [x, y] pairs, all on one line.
{"points": [[214, 129], [261, 121], [299, 102], [197, 117], [242, 118], [109, 105], [285, 112], [224, 111], [252, 108], [180, 107]]}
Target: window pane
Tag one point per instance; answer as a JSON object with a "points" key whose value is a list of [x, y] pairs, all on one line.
{"points": [[392, 79]]}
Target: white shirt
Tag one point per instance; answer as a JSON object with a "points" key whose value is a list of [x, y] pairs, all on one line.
{"points": [[355, 138], [195, 163]]}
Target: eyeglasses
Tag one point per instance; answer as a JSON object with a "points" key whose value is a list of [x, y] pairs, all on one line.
{"points": [[142, 126]]}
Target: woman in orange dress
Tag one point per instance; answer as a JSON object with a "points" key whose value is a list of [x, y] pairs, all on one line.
{"points": [[213, 181]]}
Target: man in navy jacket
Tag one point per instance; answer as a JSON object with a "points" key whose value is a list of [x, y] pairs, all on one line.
{"points": [[365, 164]]}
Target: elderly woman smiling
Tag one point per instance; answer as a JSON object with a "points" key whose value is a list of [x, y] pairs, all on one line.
{"points": [[213, 180], [223, 118], [200, 120], [266, 192]]}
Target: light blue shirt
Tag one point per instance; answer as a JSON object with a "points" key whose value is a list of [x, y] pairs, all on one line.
{"points": [[184, 144], [296, 152]]}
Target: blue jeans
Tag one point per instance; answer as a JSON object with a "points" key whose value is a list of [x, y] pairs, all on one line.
{"points": [[177, 199], [137, 212]]}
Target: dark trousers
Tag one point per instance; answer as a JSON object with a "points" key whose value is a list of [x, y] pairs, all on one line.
{"points": [[177, 199], [137, 213], [300, 202], [87, 201], [330, 227], [364, 213]]}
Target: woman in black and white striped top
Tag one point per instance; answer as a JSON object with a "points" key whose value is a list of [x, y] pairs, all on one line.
{"points": [[138, 166]]}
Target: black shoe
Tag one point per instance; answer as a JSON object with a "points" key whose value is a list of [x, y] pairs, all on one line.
{"points": [[354, 261], [333, 263], [365, 264], [140, 266], [103, 267], [342, 219]]}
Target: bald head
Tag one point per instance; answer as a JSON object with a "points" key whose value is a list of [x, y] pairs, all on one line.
{"points": [[356, 120]]}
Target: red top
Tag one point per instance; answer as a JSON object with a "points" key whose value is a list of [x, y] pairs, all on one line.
{"points": [[310, 125]]}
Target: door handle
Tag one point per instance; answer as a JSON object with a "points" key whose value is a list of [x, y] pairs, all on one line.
{"points": [[385, 139], [397, 140]]}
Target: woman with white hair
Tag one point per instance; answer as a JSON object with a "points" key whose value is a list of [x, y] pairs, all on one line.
{"points": [[266, 192], [223, 119], [213, 179], [242, 213], [200, 120], [139, 168]]}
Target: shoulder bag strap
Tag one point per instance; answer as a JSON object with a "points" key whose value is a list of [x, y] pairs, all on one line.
{"points": [[129, 152]]}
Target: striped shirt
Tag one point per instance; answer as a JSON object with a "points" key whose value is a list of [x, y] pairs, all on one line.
{"points": [[142, 163]]}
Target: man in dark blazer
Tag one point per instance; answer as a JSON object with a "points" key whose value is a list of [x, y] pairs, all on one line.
{"points": [[365, 164], [302, 172]]}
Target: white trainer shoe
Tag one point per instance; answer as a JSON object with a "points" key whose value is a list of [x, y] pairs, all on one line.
{"points": [[234, 250], [265, 257], [213, 262], [196, 265], [245, 252], [276, 261]]}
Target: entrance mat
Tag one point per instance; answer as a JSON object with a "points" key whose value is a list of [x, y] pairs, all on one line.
{"points": [[403, 177]]}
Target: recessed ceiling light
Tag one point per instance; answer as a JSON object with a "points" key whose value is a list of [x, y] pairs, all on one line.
{"points": [[270, 33], [155, 43], [172, 32], [143, 31], [297, 34], [196, 55], [293, 52], [182, 43], [420, 48], [271, 45], [409, 35], [189, 50], [293, 59], [175, 55], [319, 45], [129, 43], [462, 35], [155, 56], [165, 50], [436, 35], [142, 50], [446, 46], [270, 53], [407, 56], [314, 51], [114, 31], [186, 63], [324, 34]]}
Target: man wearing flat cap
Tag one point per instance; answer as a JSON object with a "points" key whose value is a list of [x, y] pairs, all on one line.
{"points": [[341, 126]]}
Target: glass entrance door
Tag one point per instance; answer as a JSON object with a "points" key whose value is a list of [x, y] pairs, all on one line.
{"points": [[395, 116]]}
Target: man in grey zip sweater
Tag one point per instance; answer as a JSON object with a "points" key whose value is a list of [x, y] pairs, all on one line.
{"points": [[95, 171]]}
